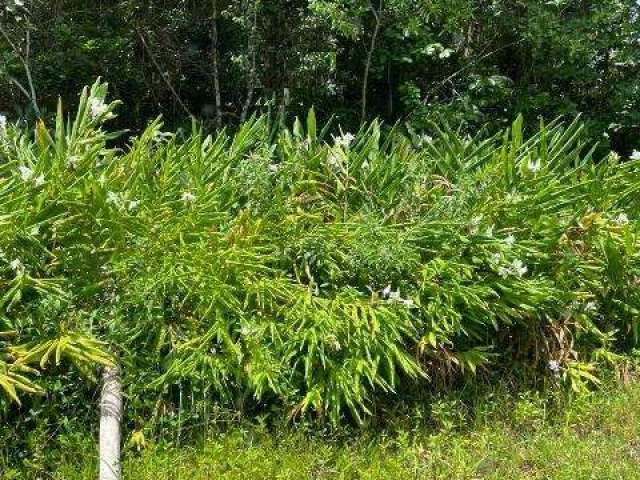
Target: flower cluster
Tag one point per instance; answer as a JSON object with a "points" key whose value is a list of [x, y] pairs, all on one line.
{"points": [[274, 168], [17, 266], [28, 175], [394, 296], [333, 160], [515, 268], [121, 202], [344, 140], [423, 140], [534, 166], [510, 240], [591, 307], [188, 197], [73, 161], [622, 219], [474, 225], [97, 107]]}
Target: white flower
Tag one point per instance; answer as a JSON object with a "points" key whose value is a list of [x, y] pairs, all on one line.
{"points": [[424, 139], [97, 107], [622, 219], [534, 166], [635, 155], [73, 161], [17, 266], [591, 307], [133, 204], [188, 197], [115, 198], [510, 240], [496, 258], [333, 343], [489, 232], [274, 168], [518, 268], [35, 230], [474, 225], [3, 123], [554, 366], [25, 173], [333, 160], [395, 297], [446, 53], [39, 181], [504, 272], [344, 140], [386, 292]]}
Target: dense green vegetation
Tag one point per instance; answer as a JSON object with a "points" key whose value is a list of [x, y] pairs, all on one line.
{"points": [[333, 216], [475, 62], [497, 437], [284, 273]]}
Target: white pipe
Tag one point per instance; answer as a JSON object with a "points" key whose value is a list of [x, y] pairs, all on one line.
{"points": [[110, 420]]}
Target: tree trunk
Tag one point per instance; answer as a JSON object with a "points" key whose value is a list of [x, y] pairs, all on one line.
{"points": [[251, 47], [367, 66], [284, 105], [110, 420], [215, 60]]}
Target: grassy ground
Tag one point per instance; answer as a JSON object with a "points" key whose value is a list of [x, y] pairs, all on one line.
{"points": [[594, 437]]}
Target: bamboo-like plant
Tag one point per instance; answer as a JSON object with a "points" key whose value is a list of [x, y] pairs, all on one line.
{"points": [[307, 271]]}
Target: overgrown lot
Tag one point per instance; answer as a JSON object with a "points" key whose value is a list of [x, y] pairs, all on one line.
{"points": [[526, 437], [293, 273]]}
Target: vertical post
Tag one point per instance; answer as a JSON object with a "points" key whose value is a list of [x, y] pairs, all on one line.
{"points": [[110, 420]]}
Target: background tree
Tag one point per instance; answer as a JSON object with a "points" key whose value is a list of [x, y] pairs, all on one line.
{"points": [[475, 62]]}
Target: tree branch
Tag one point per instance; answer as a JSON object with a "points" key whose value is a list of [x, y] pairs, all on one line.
{"points": [[164, 77], [367, 66]]}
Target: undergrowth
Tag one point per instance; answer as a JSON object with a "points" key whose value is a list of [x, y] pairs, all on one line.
{"points": [[291, 273], [491, 433]]}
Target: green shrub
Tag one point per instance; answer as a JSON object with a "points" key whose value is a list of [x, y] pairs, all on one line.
{"points": [[281, 269]]}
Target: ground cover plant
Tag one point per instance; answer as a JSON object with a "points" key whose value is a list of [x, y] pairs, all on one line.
{"points": [[295, 274], [514, 437]]}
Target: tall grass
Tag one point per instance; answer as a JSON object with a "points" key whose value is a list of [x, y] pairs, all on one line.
{"points": [[310, 273], [595, 436]]}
